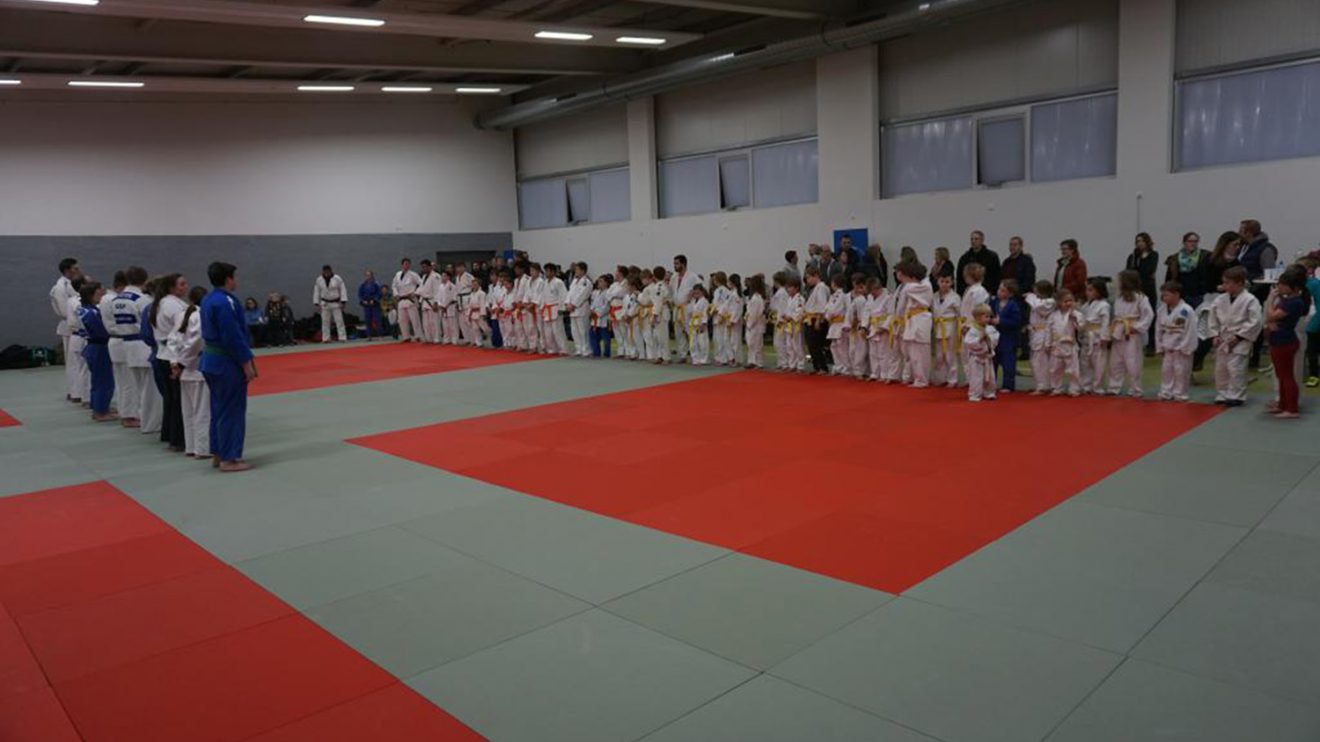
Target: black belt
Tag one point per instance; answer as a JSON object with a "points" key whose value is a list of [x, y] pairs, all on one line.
{"points": [[97, 341], [127, 338]]}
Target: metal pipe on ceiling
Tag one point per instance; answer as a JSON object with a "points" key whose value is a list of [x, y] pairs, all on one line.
{"points": [[829, 39]]}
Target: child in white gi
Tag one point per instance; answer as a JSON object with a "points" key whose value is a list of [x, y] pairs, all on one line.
{"points": [[791, 317], [660, 323], [645, 318], [698, 320], [778, 303], [836, 315], [448, 301], [1236, 320], [617, 294], [1095, 336], [736, 325], [477, 313], [719, 293], [754, 321], [1063, 326], [553, 296], [1040, 302], [1132, 317], [974, 296], [946, 312], [578, 306], [876, 318], [980, 339], [533, 342], [187, 344], [1176, 340], [858, 347], [914, 300]]}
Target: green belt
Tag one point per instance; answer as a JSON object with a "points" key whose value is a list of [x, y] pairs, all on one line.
{"points": [[212, 349]]}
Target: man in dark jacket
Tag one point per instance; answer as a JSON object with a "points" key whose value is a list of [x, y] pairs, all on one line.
{"points": [[1258, 256], [977, 252]]}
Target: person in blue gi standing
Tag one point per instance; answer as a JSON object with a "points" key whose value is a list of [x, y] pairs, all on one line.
{"points": [[1008, 315], [369, 299], [96, 352], [228, 367]]}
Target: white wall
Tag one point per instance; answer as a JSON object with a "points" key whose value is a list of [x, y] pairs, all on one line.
{"points": [[70, 167], [1103, 214]]}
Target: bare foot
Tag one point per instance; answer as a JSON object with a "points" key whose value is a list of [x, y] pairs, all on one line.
{"points": [[233, 466], [107, 417], [215, 460], [131, 422]]}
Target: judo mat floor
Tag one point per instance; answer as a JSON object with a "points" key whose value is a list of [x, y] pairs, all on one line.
{"points": [[618, 551]]}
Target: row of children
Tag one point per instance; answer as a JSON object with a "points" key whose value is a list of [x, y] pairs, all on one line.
{"points": [[139, 345]]}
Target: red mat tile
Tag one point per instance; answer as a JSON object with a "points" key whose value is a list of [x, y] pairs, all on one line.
{"points": [[878, 485], [7, 420], [130, 632], [69, 519], [35, 716], [294, 372], [397, 708], [88, 574]]}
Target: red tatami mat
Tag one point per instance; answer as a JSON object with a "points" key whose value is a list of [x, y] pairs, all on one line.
{"points": [[878, 485], [7, 420], [113, 626], [295, 372]]}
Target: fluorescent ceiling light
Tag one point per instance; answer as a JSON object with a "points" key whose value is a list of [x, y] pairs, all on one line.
{"points": [[344, 20], [645, 40], [563, 35], [477, 91], [722, 57], [11, 82], [68, 2], [103, 84], [325, 88], [402, 89]]}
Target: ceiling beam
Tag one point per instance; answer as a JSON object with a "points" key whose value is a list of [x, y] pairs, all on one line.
{"points": [[271, 15], [798, 9], [65, 35], [185, 84]]}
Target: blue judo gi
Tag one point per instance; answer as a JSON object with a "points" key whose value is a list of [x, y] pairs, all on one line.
{"points": [[225, 350], [1010, 330], [369, 299], [97, 355]]}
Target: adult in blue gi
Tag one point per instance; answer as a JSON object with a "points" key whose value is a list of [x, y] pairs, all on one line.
{"points": [[97, 352], [369, 298], [1008, 318], [228, 367]]}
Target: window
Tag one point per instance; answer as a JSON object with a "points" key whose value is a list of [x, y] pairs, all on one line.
{"points": [[761, 177], [1001, 155], [735, 182], [928, 156], [1253, 116], [602, 196], [1074, 138], [579, 200]]}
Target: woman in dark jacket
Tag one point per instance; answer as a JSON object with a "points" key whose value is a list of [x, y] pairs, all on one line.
{"points": [[1145, 261], [1223, 257], [1190, 268]]}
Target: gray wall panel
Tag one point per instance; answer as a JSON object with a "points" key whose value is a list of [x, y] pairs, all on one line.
{"points": [[285, 263]]}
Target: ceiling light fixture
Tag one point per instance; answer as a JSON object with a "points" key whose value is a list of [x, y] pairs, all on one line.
{"points": [[326, 88], [11, 82], [103, 84], [477, 91], [69, 2], [643, 40], [723, 57], [564, 35], [405, 89], [344, 20]]}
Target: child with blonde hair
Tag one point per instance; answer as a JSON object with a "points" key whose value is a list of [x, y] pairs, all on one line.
{"points": [[776, 309], [791, 317], [1040, 302], [974, 296], [980, 339]]}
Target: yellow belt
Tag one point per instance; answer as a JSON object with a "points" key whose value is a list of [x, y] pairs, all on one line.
{"points": [[680, 314], [944, 339], [1127, 326], [836, 320], [647, 312]]}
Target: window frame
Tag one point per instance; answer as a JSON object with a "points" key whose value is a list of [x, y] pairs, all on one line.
{"points": [[1009, 110], [564, 179], [721, 155]]}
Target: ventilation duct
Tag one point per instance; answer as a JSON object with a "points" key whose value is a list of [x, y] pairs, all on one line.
{"points": [[707, 67]]}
